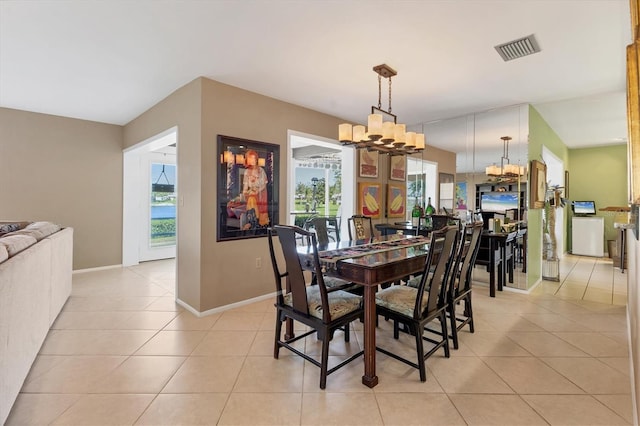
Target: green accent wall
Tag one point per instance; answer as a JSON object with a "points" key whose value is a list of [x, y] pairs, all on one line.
{"points": [[599, 174], [540, 134]]}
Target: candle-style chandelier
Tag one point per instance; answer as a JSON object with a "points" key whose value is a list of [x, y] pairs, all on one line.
{"points": [[506, 169], [385, 136]]}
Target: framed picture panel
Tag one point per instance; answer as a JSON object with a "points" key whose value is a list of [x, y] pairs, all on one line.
{"points": [[247, 196], [397, 167], [369, 199], [367, 163], [396, 200], [538, 181]]}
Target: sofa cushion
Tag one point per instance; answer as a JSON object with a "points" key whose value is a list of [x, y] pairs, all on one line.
{"points": [[4, 254], [16, 243], [37, 230], [6, 227]]}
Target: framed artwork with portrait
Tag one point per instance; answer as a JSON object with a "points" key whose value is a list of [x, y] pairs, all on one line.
{"points": [[247, 196], [369, 199], [538, 181], [367, 163], [397, 167], [396, 200]]}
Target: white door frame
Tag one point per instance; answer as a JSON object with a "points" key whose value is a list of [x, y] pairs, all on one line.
{"points": [[134, 205]]}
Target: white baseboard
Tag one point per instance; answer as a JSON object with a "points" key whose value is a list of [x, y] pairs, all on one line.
{"points": [[99, 268], [225, 307]]}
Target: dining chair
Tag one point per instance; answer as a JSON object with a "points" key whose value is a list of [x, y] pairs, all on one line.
{"points": [[414, 307], [321, 309], [508, 258], [360, 228], [322, 225], [460, 286]]}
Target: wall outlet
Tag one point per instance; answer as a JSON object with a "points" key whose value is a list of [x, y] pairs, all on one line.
{"points": [[258, 262]]}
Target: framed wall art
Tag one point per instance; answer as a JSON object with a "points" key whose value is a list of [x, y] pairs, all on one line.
{"points": [[247, 196], [369, 199], [397, 167], [367, 163], [538, 184], [396, 200]]}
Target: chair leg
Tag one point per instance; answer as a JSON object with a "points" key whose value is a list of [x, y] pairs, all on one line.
{"points": [[324, 361], [469, 309], [346, 332], [396, 329], [445, 334], [454, 326], [420, 350], [276, 346]]}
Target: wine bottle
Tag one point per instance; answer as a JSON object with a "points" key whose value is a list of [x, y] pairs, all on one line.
{"points": [[415, 215], [430, 209]]}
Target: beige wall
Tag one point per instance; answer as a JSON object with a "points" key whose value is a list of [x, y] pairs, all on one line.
{"points": [[183, 108], [65, 171], [228, 268]]}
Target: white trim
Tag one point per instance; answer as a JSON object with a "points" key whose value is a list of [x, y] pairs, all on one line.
{"points": [[154, 142], [536, 284], [632, 375], [98, 268], [225, 307]]}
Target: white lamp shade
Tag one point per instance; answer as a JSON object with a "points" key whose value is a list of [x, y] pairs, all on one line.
{"points": [[345, 132], [410, 141], [358, 133], [420, 141], [374, 125], [399, 134], [388, 128]]}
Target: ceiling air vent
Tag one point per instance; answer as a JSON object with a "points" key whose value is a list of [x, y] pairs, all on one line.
{"points": [[518, 48]]}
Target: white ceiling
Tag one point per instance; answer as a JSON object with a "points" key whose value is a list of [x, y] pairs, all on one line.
{"points": [[109, 61]]}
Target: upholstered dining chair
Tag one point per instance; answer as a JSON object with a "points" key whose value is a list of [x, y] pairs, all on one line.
{"points": [[460, 286], [360, 228], [322, 225], [321, 309], [416, 307]]}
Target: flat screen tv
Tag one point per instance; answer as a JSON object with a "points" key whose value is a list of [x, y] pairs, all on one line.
{"points": [[583, 208], [498, 201]]}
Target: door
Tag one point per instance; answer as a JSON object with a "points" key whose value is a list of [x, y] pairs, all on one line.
{"points": [[158, 233]]}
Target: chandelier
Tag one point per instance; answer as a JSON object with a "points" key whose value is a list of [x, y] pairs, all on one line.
{"points": [[385, 136], [506, 169]]}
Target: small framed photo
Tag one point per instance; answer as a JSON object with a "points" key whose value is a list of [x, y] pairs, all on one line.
{"points": [[538, 181], [396, 200], [369, 199], [397, 167], [367, 163]]}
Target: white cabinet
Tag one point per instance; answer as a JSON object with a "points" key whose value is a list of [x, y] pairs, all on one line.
{"points": [[587, 236]]}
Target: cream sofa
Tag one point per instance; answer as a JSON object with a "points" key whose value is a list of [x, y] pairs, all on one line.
{"points": [[35, 283]]}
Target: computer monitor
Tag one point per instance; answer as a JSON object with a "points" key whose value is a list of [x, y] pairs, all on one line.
{"points": [[583, 208]]}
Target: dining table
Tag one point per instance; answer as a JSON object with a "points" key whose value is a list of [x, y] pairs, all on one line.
{"points": [[370, 263]]}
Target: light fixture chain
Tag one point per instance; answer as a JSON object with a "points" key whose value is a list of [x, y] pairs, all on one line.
{"points": [[379, 91], [389, 94]]}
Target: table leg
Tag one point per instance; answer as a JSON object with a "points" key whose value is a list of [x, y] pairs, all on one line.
{"points": [[492, 270], [370, 379]]}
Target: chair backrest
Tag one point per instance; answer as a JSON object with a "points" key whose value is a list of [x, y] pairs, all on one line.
{"points": [[439, 221], [294, 273], [319, 223], [467, 253], [510, 244], [435, 275], [360, 228]]}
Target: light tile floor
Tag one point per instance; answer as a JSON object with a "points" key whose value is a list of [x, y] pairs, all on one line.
{"points": [[122, 352]]}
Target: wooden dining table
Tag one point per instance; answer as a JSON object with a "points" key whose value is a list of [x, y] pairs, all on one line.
{"points": [[370, 263]]}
